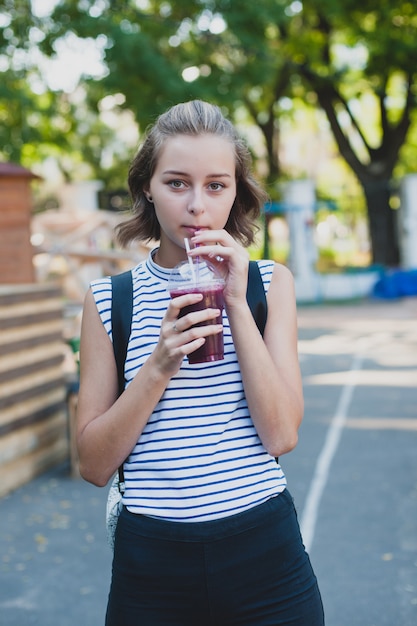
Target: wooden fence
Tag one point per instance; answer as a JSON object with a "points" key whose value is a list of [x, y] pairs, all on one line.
{"points": [[33, 408]]}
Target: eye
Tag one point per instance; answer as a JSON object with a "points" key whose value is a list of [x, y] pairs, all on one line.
{"points": [[216, 186], [176, 184]]}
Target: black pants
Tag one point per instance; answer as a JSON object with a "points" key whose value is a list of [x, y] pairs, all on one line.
{"points": [[248, 569]]}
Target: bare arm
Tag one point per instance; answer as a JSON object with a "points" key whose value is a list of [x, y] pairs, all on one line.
{"points": [[270, 368], [108, 427]]}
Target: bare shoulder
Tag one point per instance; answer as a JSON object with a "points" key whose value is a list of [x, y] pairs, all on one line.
{"points": [[98, 374], [282, 279], [281, 295], [92, 328], [282, 310], [281, 270], [90, 311], [89, 302]]}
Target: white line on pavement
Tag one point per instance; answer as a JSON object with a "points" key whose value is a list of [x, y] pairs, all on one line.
{"points": [[321, 473]]}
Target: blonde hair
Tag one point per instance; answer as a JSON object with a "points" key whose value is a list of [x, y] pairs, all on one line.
{"points": [[191, 118]]}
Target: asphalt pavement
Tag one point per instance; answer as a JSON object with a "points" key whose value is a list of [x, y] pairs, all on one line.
{"points": [[353, 476]]}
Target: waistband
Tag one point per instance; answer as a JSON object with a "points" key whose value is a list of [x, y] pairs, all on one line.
{"points": [[280, 505]]}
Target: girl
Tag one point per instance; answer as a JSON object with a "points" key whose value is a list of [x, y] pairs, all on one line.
{"points": [[208, 534]]}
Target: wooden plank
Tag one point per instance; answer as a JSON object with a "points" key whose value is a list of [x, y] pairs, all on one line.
{"points": [[32, 406], [31, 392], [36, 354], [41, 415], [55, 360], [23, 320], [10, 336], [27, 467], [36, 379], [29, 439], [19, 390], [30, 342], [29, 307], [14, 294]]}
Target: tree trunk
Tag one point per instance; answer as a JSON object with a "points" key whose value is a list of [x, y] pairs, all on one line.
{"points": [[382, 221]]}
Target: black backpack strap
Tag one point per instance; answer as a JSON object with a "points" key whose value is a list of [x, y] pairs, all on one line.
{"points": [[121, 322], [255, 295]]}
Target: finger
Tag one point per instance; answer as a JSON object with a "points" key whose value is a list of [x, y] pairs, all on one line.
{"points": [[211, 237], [215, 253], [196, 333], [179, 302], [196, 318]]}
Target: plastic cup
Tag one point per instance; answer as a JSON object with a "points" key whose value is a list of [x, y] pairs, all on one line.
{"points": [[200, 279]]}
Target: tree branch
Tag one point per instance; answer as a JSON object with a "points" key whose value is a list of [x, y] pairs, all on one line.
{"points": [[328, 98]]}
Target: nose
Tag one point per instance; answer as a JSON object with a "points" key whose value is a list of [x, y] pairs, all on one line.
{"points": [[196, 203]]}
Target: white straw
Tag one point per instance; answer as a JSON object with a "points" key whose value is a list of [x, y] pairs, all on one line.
{"points": [[190, 261]]}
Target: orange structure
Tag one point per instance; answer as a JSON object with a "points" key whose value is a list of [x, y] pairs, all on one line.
{"points": [[16, 263], [33, 411]]}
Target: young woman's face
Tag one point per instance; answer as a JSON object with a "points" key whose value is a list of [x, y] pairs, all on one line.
{"points": [[193, 188]]}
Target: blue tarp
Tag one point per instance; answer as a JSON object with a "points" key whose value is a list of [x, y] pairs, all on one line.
{"points": [[396, 284]]}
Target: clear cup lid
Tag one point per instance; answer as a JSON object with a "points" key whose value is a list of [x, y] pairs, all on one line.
{"points": [[195, 272]]}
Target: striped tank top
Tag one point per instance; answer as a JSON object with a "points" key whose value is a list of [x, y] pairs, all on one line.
{"points": [[199, 457]]}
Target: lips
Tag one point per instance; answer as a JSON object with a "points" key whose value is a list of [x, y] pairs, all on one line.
{"points": [[192, 230]]}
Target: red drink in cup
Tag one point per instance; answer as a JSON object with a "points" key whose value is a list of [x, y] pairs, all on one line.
{"points": [[202, 279], [213, 347]]}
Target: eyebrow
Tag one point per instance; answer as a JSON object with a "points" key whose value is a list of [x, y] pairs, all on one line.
{"points": [[214, 175]]}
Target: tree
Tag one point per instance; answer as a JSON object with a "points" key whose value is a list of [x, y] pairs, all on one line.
{"points": [[19, 100], [168, 52], [248, 56], [355, 51], [38, 122]]}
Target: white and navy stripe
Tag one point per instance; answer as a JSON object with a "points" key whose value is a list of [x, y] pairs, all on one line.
{"points": [[199, 456]]}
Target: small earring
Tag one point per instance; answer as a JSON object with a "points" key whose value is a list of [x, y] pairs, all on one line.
{"points": [[149, 198]]}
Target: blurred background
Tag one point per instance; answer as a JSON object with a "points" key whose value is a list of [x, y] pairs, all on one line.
{"points": [[324, 92]]}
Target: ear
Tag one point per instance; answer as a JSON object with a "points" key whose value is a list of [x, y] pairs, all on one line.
{"points": [[147, 193]]}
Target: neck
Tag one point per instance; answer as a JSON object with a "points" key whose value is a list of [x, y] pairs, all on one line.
{"points": [[169, 259]]}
